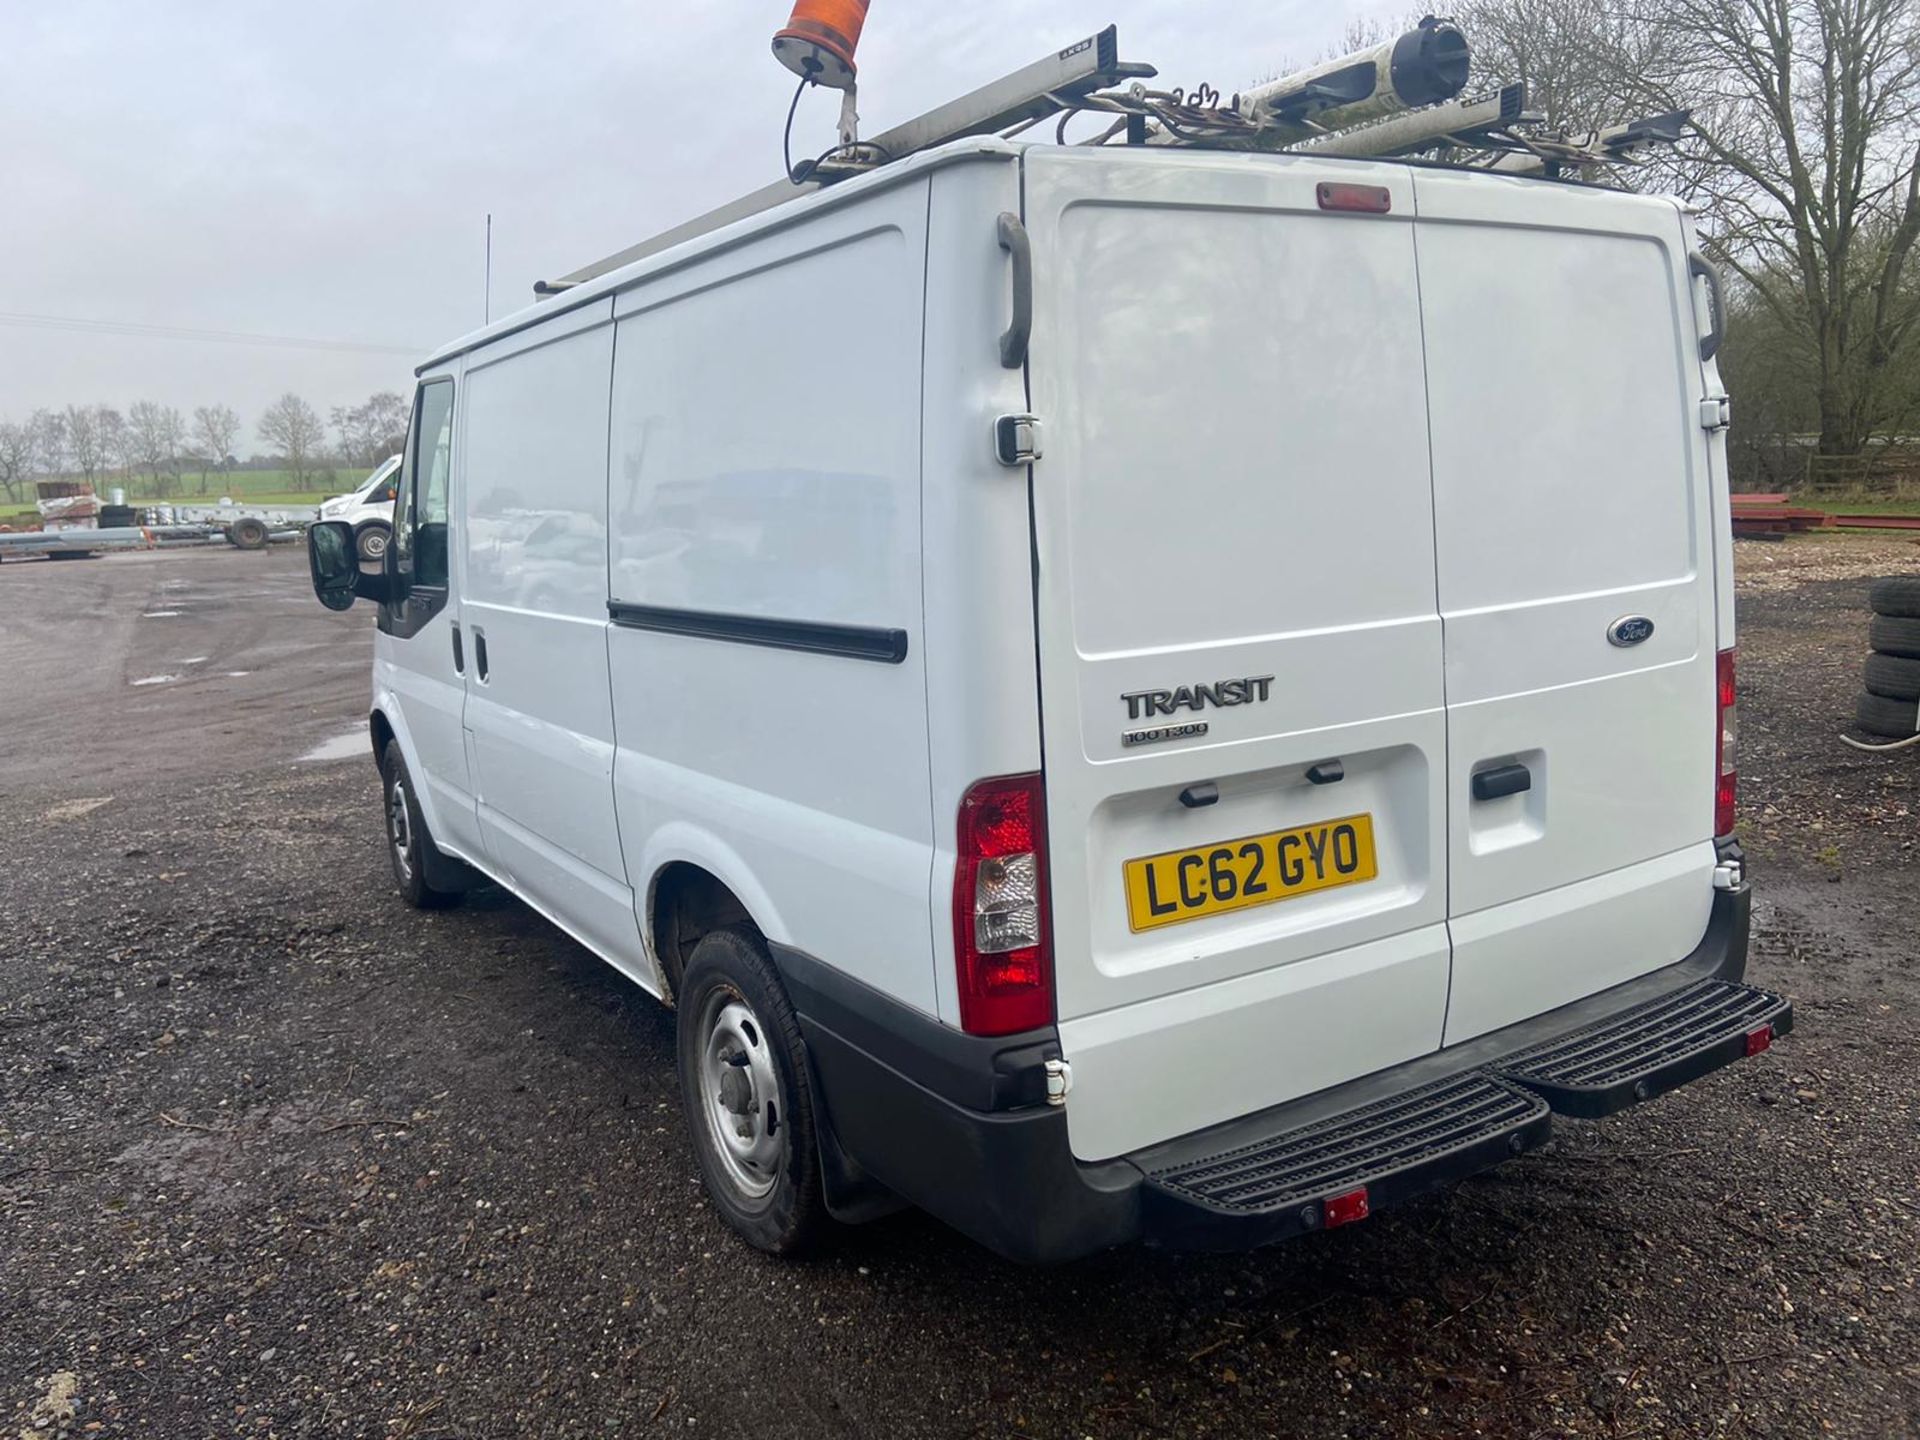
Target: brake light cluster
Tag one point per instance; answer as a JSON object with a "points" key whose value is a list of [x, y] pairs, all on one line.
{"points": [[1000, 940], [1727, 778]]}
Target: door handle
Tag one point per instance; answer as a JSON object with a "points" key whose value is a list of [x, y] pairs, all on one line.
{"points": [[1013, 240], [459, 653], [1500, 781], [480, 655], [1698, 265]]}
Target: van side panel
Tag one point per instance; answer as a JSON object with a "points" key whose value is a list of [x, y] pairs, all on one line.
{"points": [[982, 716], [765, 481], [535, 592]]}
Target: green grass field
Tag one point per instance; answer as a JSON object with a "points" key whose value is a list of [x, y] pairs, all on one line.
{"points": [[260, 487]]}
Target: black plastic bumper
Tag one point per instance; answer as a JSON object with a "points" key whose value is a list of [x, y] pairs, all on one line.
{"points": [[959, 1125]]}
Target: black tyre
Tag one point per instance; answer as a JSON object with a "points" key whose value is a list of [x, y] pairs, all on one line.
{"points": [[371, 541], [1893, 677], [1898, 596], [1895, 719], [249, 532], [743, 1082], [1894, 635], [71, 554], [409, 846]]}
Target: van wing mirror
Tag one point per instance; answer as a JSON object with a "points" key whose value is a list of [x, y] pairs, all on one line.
{"points": [[333, 559], [333, 562]]}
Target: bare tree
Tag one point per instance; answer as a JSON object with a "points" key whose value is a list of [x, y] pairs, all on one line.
{"points": [[173, 445], [147, 441], [83, 440], [16, 459], [371, 431], [215, 430], [1811, 123], [47, 433], [116, 443], [1805, 160], [292, 428], [1570, 53]]}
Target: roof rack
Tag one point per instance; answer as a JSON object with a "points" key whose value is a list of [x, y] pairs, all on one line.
{"points": [[1043, 88], [1396, 99]]}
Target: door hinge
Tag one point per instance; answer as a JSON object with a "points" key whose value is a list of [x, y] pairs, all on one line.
{"points": [[1016, 439], [1716, 412], [1059, 1081]]}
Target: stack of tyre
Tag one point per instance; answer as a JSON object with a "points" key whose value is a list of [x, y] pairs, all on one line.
{"points": [[1890, 705]]}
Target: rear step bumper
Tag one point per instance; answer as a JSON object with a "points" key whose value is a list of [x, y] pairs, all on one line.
{"points": [[1289, 1182], [1651, 1049], [1344, 1167], [1006, 1176]]}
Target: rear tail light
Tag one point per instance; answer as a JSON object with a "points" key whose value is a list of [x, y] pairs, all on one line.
{"points": [[1000, 940], [1726, 775]]}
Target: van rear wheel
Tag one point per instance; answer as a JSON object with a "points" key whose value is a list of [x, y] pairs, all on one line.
{"points": [[743, 1083]]}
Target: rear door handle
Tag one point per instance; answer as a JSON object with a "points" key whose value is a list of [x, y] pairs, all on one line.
{"points": [[480, 655], [1500, 781], [1013, 341]]}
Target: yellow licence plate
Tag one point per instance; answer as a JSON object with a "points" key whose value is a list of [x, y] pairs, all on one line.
{"points": [[1253, 870]]}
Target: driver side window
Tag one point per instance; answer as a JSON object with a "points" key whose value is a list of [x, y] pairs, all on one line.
{"points": [[421, 501]]}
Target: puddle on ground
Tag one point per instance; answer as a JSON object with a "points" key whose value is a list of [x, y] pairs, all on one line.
{"points": [[74, 809], [159, 614], [350, 746], [194, 660], [236, 674], [155, 680]]}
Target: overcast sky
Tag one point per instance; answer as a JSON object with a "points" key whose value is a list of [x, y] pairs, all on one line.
{"points": [[322, 170]]}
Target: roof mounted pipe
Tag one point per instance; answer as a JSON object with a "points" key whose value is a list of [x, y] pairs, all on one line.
{"points": [[1426, 65]]}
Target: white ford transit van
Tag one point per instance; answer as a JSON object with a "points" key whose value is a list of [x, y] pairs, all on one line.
{"points": [[1123, 693]]}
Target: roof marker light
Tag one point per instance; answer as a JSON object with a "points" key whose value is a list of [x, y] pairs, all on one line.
{"points": [[1360, 199]]}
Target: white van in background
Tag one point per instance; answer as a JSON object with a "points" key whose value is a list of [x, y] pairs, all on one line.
{"points": [[1128, 693], [368, 509]]}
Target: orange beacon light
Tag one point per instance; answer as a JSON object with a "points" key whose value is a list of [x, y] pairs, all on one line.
{"points": [[819, 40]]}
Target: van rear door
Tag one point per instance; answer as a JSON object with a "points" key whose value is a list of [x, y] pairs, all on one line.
{"points": [[1240, 649], [1574, 527]]}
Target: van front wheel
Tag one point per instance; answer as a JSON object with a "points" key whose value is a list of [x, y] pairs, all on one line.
{"points": [[371, 541], [744, 1087], [408, 842]]}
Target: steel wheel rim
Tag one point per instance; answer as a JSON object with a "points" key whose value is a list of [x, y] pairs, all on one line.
{"points": [[373, 545], [400, 829], [740, 1095]]}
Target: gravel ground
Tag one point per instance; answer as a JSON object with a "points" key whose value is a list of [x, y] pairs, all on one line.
{"points": [[279, 1157]]}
